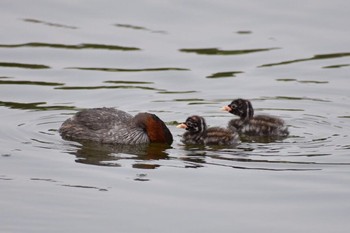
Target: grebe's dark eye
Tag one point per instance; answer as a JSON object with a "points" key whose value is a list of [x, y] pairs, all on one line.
{"points": [[189, 124], [192, 124]]}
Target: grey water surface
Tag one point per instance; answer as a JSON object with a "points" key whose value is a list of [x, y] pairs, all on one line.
{"points": [[175, 59]]}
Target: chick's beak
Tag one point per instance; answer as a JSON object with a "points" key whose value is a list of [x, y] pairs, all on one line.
{"points": [[182, 126], [226, 108]]}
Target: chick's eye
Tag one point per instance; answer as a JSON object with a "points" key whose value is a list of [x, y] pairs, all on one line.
{"points": [[190, 124]]}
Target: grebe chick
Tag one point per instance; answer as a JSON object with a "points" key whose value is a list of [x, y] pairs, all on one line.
{"points": [[198, 133], [250, 125], [113, 126]]}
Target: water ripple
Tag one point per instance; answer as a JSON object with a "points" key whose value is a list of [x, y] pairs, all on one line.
{"points": [[49, 24], [23, 65], [299, 152], [134, 27], [67, 46], [293, 98], [129, 70], [34, 106], [216, 51], [301, 81], [107, 87], [225, 74], [36, 83], [336, 66], [315, 57]]}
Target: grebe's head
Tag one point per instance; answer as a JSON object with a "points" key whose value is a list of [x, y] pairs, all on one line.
{"points": [[240, 107], [194, 124], [155, 128]]}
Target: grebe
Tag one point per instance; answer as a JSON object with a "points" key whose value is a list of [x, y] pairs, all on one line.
{"points": [[198, 133], [250, 125], [113, 126]]}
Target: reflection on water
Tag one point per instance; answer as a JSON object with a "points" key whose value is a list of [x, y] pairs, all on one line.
{"points": [[250, 157], [315, 57], [198, 161], [336, 66], [244, 32], [110, 155], [225, 74], [301, 81], [36, 83], [176, 92], [66, 46], [131, 26], [35, 106], [49, 24], [293, 98], [216, 51], [84, 187], [293, 154], [155, 155], [134, 27], [128, 70], [124, 85], [67, 185], [23, 65], [107, 87], [128, 82]]}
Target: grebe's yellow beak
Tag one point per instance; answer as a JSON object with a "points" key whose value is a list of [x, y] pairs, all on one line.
{"points": [[226, 108], [182, 126]]}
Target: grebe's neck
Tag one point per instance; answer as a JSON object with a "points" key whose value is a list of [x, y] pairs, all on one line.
{"points": [[247, 112], [155, 128]]}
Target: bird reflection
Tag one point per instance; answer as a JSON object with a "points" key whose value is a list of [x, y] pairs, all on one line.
{"points": [[111, 155], [194, 156]]}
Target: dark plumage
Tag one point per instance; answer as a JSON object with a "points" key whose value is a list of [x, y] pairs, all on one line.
{"points": [[250, 125], [198, 133], [112, 126]]}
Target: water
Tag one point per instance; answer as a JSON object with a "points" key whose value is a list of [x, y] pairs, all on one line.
{"points": [[175, 59]]}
